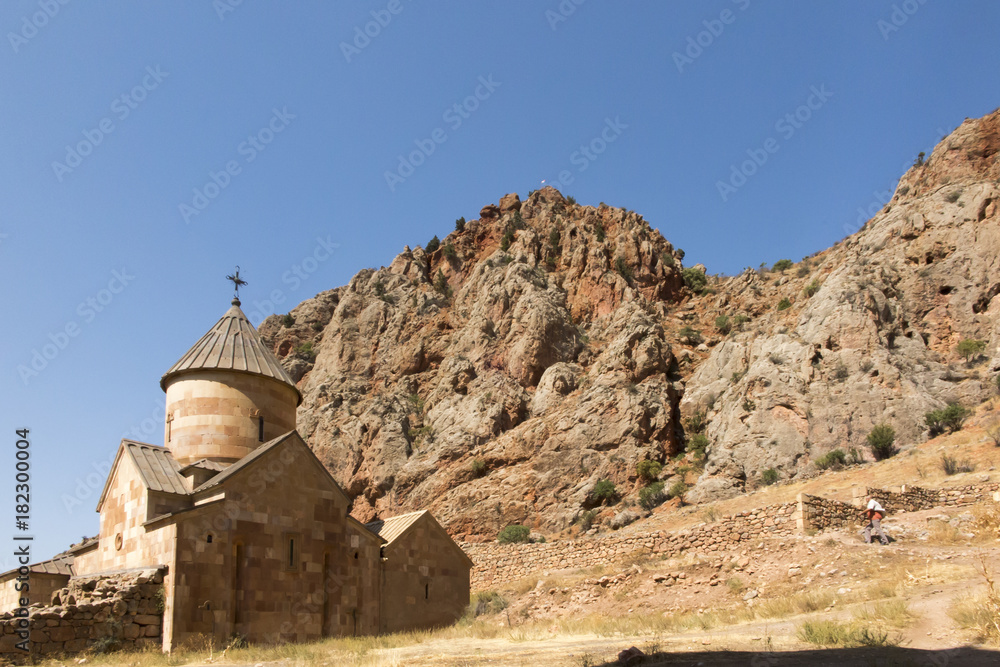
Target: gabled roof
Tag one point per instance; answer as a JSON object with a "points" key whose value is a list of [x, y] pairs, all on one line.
{"points": [[232, 344], [253, 457], [205, 464], [244, 462], [157, 467], [391, 528]]}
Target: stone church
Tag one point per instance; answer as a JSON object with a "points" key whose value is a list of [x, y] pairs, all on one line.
{"points": [[251, 533]]}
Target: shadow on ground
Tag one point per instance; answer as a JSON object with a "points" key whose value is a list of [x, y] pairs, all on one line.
{"points": [[847, 657]]}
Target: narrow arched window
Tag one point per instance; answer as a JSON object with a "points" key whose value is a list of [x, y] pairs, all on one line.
{"points": [[260, 428]]}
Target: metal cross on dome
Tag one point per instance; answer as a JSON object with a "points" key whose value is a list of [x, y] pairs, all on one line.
{"points": [[237, 282]]}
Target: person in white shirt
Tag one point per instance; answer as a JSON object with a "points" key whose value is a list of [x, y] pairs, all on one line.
{"points": [[874, 513]]}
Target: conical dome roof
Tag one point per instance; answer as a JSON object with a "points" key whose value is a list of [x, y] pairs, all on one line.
{"points": [[232, 344]]}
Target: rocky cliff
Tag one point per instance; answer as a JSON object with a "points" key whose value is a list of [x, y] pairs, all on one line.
{"points": [[495, 378]]}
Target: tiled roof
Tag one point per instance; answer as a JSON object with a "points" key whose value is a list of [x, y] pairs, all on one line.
{"points": [[232, 344], [157, 466], [54, 566], [391, 528]]}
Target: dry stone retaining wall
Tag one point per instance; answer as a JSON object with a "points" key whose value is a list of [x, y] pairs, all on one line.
{"points": [[818, 513], [122, 610], [497, 564], [914, 498]]}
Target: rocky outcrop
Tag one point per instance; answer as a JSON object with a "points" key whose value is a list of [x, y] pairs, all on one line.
{"points": [[871, 331], [496, 378]]}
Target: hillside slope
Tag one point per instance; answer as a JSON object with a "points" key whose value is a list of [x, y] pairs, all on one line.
{"points": [[547, 346]]}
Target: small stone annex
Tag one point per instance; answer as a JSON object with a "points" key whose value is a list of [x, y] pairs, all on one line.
{"points": [[246, 529]]}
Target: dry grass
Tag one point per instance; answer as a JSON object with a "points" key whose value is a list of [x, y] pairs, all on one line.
{"points": [[895, 613], [847, 635], [981, 613]]}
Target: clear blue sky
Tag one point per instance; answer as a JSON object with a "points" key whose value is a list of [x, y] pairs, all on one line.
{"points": [[113, 115]]}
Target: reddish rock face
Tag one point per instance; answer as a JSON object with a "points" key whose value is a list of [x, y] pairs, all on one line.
{"points": [[557, 345]]}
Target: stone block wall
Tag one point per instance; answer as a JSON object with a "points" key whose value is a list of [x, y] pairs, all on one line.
{"points": [[121, 610], [497, 564], [914, 498], [816, 513]]}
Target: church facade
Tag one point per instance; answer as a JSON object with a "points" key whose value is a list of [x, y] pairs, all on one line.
{"points": [[252, 533]]}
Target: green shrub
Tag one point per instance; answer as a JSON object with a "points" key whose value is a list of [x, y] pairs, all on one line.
{"points": [[652, 495], [514, 534], [881, 441], [697, 422], [970, 348], [668, 259], [690, 336], [919, 160], [517, 221], [841, 372], [288, 320], [835, 458], [486, 602], [416, 403], [951, 466], [695, 279], [698, 444], [855, 456], [782, 265], [306, 351], [784, 304], [835, 633], [723, 324], [433, 244], [679, 253], [950, 418], [571, 201], [604, 491], [623, 269], [478, 467], [441, 283], [769, 476], [649, 470], [554, 238], [599, 231], [507, 239], [586, 519], [678, 489], [449, 251], [740, 320], [953, 196], [460, 224], [811, 288], [802, 271]]}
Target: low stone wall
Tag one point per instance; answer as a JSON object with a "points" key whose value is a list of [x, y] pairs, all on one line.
{"points": [[817, 513], [122, 610], [497, 564], [914, 498]]}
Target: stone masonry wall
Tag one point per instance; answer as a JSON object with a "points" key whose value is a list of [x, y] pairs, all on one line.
{"points": [[122, 610], [497, 564], [818, 513], [914, 498]]}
